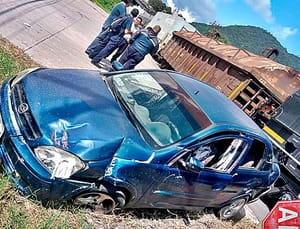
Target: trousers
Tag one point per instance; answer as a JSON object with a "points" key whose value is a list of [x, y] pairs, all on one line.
{"points": [[99, 42], [130, 58], [108, 49], [122, 46]]}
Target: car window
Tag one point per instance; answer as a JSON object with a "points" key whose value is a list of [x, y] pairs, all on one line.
{"points": [[254, 157], [220, 155], [164, 111]]}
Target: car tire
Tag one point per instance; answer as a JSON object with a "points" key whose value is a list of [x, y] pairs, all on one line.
{"points": [[233, 211], [121, 198]]}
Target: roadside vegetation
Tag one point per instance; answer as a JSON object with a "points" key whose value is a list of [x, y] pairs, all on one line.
{"points": [[17, 211], [106, 5], [12, 60]]}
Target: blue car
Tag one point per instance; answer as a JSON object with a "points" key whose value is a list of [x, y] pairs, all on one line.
{"points": [[131, 139]]}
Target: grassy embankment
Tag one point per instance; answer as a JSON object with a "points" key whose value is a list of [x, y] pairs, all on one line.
{"points": [[106, 5]]}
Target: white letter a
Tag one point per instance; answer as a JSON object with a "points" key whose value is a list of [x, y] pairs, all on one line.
{"points": [[287, 214]]}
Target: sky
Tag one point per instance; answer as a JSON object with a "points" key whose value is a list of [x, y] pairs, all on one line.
{"points": [[279, 17]]}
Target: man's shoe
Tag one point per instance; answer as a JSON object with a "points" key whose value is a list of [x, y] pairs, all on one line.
{"points": [[95, 63], [117, 66]]}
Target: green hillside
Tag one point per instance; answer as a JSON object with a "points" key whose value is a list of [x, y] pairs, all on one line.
{"points": [[253, 39]]}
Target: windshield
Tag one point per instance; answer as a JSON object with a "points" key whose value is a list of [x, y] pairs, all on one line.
{"points": [[163, 111]]}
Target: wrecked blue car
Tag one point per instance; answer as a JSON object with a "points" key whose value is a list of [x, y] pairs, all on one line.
{"points": [[135, 139]]}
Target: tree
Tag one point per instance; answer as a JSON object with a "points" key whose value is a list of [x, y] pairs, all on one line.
{"points": [[168, 10], [159, 6], [214, 32]]}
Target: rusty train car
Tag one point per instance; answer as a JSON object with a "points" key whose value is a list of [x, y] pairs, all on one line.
{"points": [[264, 89]]}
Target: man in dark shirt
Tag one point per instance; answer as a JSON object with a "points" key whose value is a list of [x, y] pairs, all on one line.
{"points": [[142, 43], [114, 41], [117, 11]]}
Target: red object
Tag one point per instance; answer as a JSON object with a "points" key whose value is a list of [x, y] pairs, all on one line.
{"points": [[285, 214]]}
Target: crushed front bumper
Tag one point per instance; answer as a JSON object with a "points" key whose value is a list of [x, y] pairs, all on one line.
{"points": [[32, 183]]}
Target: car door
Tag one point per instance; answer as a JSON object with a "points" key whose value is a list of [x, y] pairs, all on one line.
{"points": [[253, 170], [201, 175]]}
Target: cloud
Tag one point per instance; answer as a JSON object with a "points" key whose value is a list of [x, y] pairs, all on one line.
{"points": [[263, 7], [283, 32], [194, 10], [186, 13], [171, 4]]}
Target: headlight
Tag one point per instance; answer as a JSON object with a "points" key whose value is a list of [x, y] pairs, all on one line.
{"points": [[60, 163]]}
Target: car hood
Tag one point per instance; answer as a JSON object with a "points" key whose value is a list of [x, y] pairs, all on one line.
{"points": [[75, 110]]}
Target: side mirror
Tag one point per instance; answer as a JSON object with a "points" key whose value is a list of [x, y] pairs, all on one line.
{"points": [[194, 165]]}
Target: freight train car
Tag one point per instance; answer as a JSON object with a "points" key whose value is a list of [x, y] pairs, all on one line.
{"points": [[264, 89]]}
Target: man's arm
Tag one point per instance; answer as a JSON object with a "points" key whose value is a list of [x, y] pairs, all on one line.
{"points": [[134, 36], [155, 48], [128, 23]]}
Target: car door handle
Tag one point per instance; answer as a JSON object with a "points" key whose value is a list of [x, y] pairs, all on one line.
{"points": [[253, 182], [178, 177], [217, 187]]}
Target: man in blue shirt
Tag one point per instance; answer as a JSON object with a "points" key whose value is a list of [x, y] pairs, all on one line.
{"points": [[117, 11], [142, 43], [115, 39]]}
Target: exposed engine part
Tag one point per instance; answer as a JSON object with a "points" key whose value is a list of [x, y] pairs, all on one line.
{"points": [[97, 201]]}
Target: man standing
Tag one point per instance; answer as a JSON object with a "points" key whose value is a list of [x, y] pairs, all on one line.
{"points": [[114, 40], [117, 11], [142, 43]]}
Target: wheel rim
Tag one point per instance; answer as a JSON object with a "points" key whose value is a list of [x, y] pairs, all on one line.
{"points": [[233, 208], [97, 201]]}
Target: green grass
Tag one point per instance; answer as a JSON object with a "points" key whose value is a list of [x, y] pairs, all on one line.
{"points": [[12, 60], [19, 212], [106, 5], [6, 63]]}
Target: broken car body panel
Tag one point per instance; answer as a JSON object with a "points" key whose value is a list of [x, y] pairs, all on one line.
{"points": [[145, 138]]}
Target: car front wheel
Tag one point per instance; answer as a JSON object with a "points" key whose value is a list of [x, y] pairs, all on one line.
{"points": [[232, 210]]}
